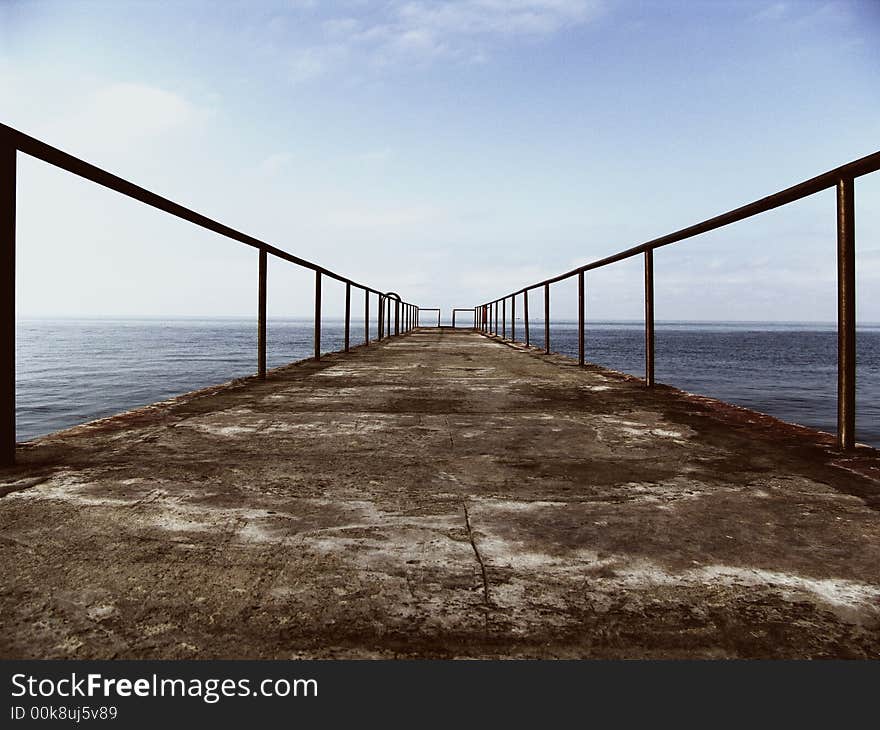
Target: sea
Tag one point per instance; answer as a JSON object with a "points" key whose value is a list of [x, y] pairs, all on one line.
{"points": [[69, 371]]}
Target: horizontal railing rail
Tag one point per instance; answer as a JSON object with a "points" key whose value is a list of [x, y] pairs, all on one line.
{"points": [[12, 142], [842, 178]]}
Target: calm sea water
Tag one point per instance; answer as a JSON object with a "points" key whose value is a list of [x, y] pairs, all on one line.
{"points": [[72, 371]]}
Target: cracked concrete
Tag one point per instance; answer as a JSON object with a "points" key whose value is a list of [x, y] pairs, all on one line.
{"points": [[440, 495]]}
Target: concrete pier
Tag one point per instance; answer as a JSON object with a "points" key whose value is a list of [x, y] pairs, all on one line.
{"points": [[440, 495]]}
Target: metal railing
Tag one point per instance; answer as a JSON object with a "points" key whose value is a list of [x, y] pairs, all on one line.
{"points": [[842, 178], [12, 142], [427, 309], [464, 309]]}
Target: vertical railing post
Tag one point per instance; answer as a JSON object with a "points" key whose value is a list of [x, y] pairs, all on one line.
{"points": [[846, 314], [649, 318], [547, 318], [396, 316], [347, 314], [317, 315], [526, 315], [513, 318], [380, 325], [261, 316], [366, 316], [7, 303], [580, 318], [504, 318]]}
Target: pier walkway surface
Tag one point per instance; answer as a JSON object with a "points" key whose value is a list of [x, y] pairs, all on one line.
{"points": [[439, 494]]}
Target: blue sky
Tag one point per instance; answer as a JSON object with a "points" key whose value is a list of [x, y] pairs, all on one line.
{"points": [[451, 150]]}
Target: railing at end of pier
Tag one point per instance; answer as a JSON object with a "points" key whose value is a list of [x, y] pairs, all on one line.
{"points": [[427, 309], [472, 310]]}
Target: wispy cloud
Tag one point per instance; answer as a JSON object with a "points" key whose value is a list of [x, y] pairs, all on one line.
{"points": [[399, 217], [772, 12], [124, 114], [273, 164], [308, 64], [406, 31], [377, 156], [801, 14], [495, 17]]}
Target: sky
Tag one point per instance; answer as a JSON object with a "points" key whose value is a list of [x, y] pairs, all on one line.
{"points": [[452, 151]]}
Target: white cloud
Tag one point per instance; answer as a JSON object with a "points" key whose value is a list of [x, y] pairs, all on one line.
{"points": [[405, 31], [123, 114], [378, 156], [383, 218], [343, 27], [499, 280], [774, 11], [495, 17], [273, 164], [308, 64]]}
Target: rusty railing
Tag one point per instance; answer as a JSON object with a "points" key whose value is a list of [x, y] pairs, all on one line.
{"points": [[12, 142], [473, 311], [427, 309], [842, 178]]}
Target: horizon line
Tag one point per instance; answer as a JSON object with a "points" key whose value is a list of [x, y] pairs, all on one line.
{"points": [[341, 318]]}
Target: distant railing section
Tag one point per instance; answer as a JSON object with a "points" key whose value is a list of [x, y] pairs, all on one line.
{"points": [[842, 178], [464, 309], [427, 309], [12, 142]]}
